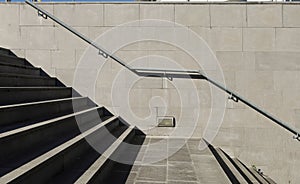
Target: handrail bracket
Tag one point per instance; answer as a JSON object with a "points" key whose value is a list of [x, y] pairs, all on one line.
{"points": [[41, 14], [102, 53], [233, 97]]}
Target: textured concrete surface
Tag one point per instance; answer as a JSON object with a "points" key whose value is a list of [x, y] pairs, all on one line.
{"points": [[187, 164], [257, 46]]}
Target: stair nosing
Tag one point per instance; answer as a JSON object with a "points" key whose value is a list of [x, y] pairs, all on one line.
{"points": [[54, 120], [46, 156], [40, 102], [89, 173]]}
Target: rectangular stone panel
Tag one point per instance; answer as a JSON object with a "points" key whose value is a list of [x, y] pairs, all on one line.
{"points": [[29, 16], [291, 14], [80, 14], [162, 12], [116, 14], [228, 16], [264, 15], [288, 39], [270, 61], [259, 39], [196, 15]]}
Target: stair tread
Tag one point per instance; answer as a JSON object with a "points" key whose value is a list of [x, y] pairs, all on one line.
{"points": [[91, 171], [37, 161]]}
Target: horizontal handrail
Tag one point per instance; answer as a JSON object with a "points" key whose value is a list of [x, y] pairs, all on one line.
{"points": [[168, 73]]}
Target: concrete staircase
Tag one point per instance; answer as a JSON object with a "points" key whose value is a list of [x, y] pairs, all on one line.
{"points": [[236, 171], [47, 129], [191, 165], [51, 134]]}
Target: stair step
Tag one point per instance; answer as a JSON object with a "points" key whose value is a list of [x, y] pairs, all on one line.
{"points": [[93, 169], [18, 115], [5, 51], [10, 59], [73, 172], [11, 95], [19, 69], [41, 137], [259, 177], [232, 173], [10, 80], [50, 162], [117, 168], [245, 171]]}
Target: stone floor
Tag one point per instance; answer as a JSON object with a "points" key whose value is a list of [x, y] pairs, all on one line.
{"points": [[175, 161]]}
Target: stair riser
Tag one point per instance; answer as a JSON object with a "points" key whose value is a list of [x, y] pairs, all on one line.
{"points": [[39, 112], [19, 70], [22, 82], [25, 95], [65, 159]]}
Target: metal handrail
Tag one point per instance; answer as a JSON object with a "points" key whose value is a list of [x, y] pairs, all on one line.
{"points": [[170, 74]]}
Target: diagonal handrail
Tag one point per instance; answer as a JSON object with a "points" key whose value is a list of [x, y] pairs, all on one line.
{"points": [[170, 74]]}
